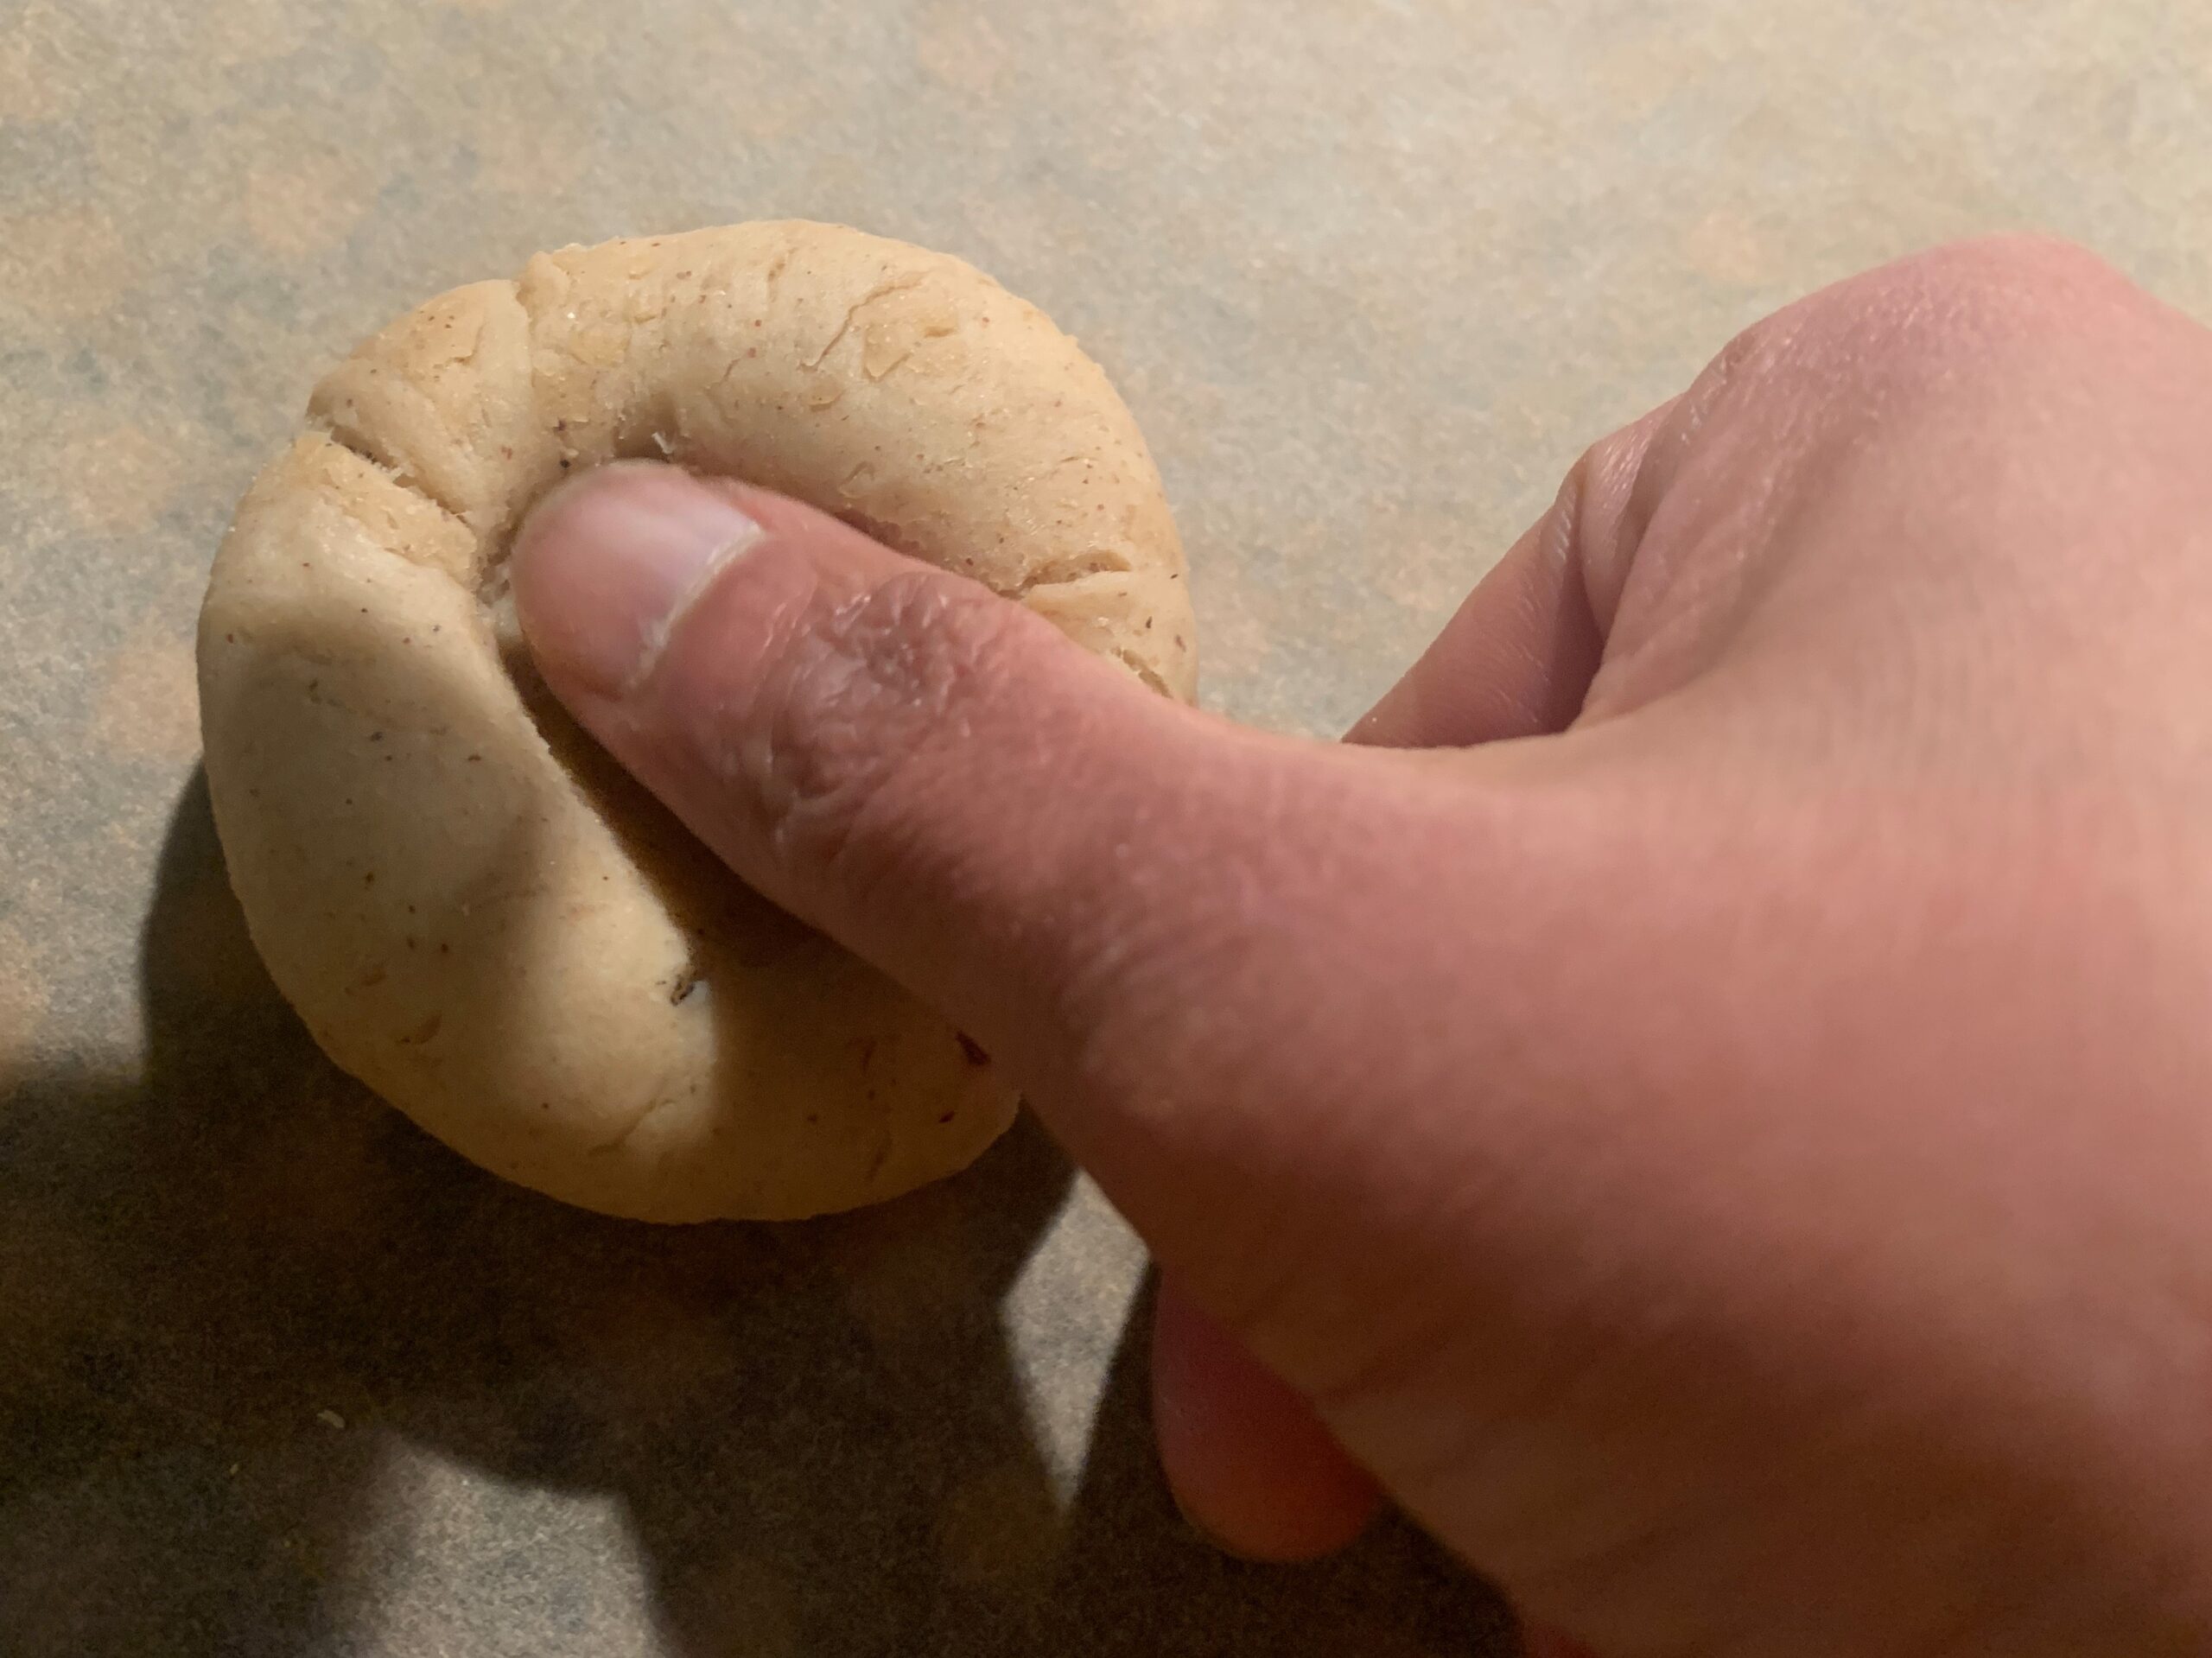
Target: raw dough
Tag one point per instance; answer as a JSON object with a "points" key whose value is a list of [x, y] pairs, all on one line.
{"points": [[477, 914]]}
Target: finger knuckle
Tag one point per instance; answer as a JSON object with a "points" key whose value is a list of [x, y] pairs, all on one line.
{"points": [[1985, 321], [1991, 298], [1968, 319], [2007, 271]]}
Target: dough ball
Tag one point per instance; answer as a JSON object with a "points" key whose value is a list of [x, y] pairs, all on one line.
{"points": [[474, 911]]}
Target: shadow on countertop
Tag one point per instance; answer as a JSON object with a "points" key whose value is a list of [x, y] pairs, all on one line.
{"points": [[239, 1297]]}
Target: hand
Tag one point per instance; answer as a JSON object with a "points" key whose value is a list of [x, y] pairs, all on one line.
{"points": [[1728, 1142]]}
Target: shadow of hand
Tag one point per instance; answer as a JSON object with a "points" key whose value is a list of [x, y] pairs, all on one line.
{"points": [[280, 1375]]}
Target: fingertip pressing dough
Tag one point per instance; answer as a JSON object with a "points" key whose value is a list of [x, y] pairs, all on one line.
{"points": [[474, 911]]}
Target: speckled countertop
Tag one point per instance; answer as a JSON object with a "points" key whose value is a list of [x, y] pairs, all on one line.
{"points": [[278, 1375]]}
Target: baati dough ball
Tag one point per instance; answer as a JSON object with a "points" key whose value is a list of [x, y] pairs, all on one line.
{"points": [[476, 912]]}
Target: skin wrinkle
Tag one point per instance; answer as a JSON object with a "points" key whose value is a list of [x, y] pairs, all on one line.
{"points": [[1598, 517], [843, 668], [1686, 575], [891, 658], [926, 693]]}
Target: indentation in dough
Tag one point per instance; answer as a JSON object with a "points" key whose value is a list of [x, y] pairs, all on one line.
{"points": [[1071, 568], [1144, 670], [654, 1105], [880, 530]]}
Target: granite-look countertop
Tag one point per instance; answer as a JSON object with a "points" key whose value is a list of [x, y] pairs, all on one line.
{"points": [[280, 1376]]}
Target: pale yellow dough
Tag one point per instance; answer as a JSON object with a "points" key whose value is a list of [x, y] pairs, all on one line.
{"points": [[476, 913]]}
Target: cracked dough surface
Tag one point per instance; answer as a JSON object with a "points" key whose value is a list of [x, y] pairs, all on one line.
{"points": [[474, 910]]}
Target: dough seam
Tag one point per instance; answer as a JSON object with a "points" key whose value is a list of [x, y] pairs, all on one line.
{"points": [[324, 429]]}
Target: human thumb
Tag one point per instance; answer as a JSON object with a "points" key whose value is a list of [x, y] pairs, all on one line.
{"points": [[1016, 831], [1210, 957]]}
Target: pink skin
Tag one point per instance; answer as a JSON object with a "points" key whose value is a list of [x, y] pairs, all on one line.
{"points": [[1703, 1099], [1248, 1459], [1251, 1464]]}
